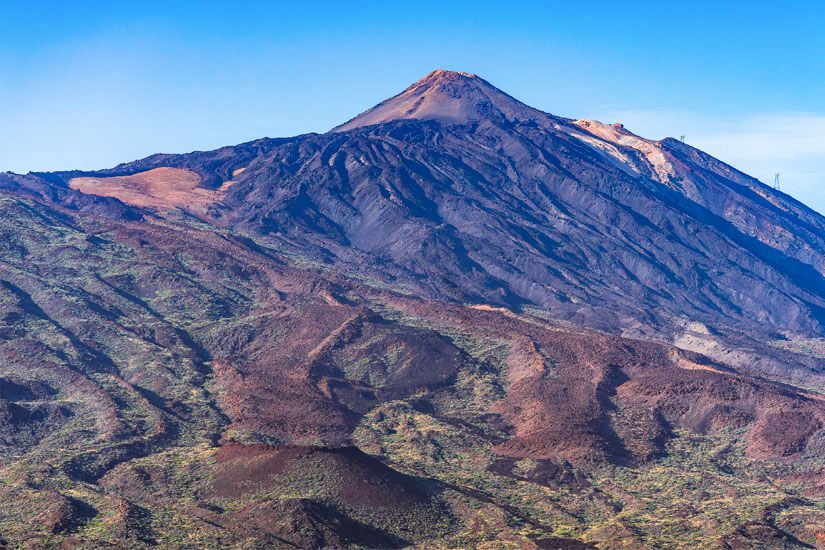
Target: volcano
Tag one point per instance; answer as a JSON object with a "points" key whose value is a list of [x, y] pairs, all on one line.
{"points": [[452, 320], [457, 191]]}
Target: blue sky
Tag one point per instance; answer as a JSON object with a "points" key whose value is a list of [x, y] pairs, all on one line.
{"points": [[90, 84]]}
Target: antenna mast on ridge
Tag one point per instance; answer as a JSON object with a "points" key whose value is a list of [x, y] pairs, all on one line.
{"points": [[682, 137], [776, 181]]}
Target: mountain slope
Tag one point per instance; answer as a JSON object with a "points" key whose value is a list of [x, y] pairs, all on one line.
{"points": [[167, 383], [455, 190]]}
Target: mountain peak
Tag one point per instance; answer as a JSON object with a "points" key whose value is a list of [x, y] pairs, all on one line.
{"points": [[449, 96], [442, 75]]}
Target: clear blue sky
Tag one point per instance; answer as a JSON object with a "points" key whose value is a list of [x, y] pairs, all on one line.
{"points": [[91, 84]]}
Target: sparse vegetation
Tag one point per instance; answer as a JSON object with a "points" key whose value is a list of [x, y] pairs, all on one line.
{"points": [[160, 345]]}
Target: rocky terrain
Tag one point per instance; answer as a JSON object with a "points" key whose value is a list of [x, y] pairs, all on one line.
{"points": [[454, 321]]}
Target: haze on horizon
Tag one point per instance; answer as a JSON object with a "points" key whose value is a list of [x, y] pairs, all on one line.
{"points": [[92, 84]]}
